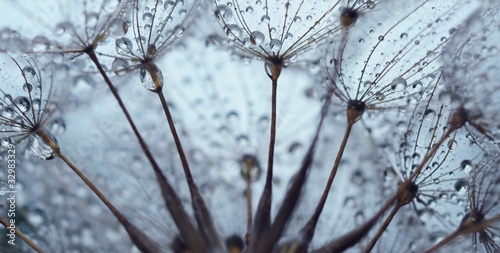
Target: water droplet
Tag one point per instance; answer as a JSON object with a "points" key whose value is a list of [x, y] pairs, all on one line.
{"points": [[398, 84], [29, 72], [381, 38], [309, 18], [22, 103], [124, 46], [466, 166], [58, 126], [169, 5], [147, 17], [118, 28], [224, 12], [40, 149], [429, 114], [27, 87], [119, 66], [249, 9], [179, 30], [257, 38], [275, 45], [461, 185], [379, 96], [297, 19], [265, 19], [452, 144], [151, 77], [403, 36], [294, 148], [250, 167]]}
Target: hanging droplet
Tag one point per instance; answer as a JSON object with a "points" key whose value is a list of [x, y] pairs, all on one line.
{"points": [[179, 30], [250, 167], [151, 77], [22, 103], [118, 28], [452, 144], [41, 149], [147, 17], [461, 184], [29, 72], [275, 45], [58, 126], [466, 166], [169, 5], [265, 19], [124, 46], [27, 87], [379, 96], [257, 38], [223, 12], [429, 114], [119, 66], [398, 84]]}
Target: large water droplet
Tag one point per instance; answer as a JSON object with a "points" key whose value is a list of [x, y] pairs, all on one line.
{"points": [[119, 66], [147, 17], [22, 103], [257, 38], [41, 149], [29, 72], [275, 45], [461, 184], [151, 77], [466, 166], [118, 28], [398, 84], [124, 46]]}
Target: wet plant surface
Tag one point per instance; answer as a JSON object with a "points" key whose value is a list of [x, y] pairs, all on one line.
{"points": [[250, 126]]}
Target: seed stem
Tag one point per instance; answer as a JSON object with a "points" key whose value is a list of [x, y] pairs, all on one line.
{"points": [[172, 201], [202, 214], [21, 235]]}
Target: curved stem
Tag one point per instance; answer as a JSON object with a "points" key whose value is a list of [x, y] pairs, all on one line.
{"points": [[141, 240], [172, 201], [23, 237], [202, 214]]}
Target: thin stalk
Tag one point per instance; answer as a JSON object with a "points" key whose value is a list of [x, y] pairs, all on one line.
{"points": [[141, 240], [310, 227], [172, 201], [21, 235], [248, 194], [202, 214], [382, 228], [263, 214], [284, 213]]}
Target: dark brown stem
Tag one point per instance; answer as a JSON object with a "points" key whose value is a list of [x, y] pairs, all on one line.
{"points": [[382, 228], [263, 214], [310, 227], [186, 229], [202, 214], [249, 203], [21, 235], [141, 240]]}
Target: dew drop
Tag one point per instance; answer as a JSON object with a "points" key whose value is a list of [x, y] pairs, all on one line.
{"points": [[224, 12], [123, 46], [297, 19], [179, 30], [461, 184], [429, 114], [40, 149], [381, 38], [147, 17], [294, 148], [379, 96], [119, 66], [398, 84], [249, 9], [403, 36], [58, 126], [29, 72], [169, 5], [151, 77], [27, 87], [265, 19], [275, 45], [257, 38], [118, 28], [466, 166], [452, 144], [22, 103]]}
